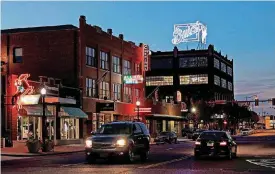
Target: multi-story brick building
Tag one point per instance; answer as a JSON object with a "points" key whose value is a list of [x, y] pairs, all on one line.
{"points": [[84, 57]]}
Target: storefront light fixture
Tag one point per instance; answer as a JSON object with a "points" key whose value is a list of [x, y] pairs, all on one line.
{"points": [[43, 91]]}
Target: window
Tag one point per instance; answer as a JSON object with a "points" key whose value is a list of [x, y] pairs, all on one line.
{"points": [[137, 93], [104, 90], [216, 63], [230, 86], [223, 83], [137, 69], [90, 57], [223, 67], [17, 55], [104, 63], [161, 63], [137, 129], [69, 128], [127, 94], [159, 81], [127, 67], [189, 62], [90, 87], [217, 80], [117, 91], [194, 79], [116, 65], [144, 128], [229, 70]]}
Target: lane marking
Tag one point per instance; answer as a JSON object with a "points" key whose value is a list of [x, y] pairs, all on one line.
{"points": [[163, 163], [67, 165], [263, 162], [170, 148]]}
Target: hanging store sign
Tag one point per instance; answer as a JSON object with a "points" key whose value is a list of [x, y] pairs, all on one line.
{"points": [[143, 110], [191, 32], [29, 99], [104, 107], [133, 79], [146, 55]]}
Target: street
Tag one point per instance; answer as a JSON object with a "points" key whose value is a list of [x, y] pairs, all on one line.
{"points": [[167, 158]]}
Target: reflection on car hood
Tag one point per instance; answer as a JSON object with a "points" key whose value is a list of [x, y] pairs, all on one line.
{"points": [[161, 136], [107, 138]]}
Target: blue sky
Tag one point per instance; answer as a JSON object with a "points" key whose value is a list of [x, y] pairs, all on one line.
{"points": [[242, 30]]}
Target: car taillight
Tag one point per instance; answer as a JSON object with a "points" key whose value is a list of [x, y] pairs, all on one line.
{"points": [[223, 143], [197, 143]]}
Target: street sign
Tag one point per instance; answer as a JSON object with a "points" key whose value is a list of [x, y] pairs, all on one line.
{"points": [[105, 107], [143, 110]]}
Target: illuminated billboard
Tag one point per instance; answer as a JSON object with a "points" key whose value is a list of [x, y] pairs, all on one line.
{"points": [[132, 79]]}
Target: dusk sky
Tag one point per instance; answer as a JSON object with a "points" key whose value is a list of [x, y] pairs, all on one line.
{"points": [[245, 31]]}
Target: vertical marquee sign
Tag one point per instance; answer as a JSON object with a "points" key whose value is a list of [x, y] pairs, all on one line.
{"points": [[146, 57]]}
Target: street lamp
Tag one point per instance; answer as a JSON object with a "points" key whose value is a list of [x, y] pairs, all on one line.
{"points": [[193, 110], [138, 104], [43, 93]]}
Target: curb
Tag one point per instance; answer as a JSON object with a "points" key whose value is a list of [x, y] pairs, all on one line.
{"points": [[34, 155]]}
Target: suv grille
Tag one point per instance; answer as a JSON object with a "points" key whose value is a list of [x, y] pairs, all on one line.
{"points": [[102, 146]]}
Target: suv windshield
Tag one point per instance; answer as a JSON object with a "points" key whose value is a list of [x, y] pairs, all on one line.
{"points": [[213, 135], [115, 129]]}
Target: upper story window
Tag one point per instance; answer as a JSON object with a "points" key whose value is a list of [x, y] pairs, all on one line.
{"points": [[90, 87], [230, 86], [162, 63], [90, 57], [229, 71], [217, 80], [104, 90], [127, 94], [159, 80], [223, 67], [17, 55], [117, 91], [216, 63], [126, 67], [223, 83], [189, 62], [104, 60], [194, 79], [137, 93], [116, 65], [137, 69]]}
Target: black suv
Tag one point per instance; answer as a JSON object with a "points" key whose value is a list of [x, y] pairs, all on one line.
{"points": [[124, 139]]}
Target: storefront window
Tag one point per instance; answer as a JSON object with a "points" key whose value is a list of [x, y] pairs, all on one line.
{"points": [[29, 126], [69, 128]]}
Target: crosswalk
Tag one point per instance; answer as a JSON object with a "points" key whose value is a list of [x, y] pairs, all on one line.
{"points": [[270, 162]]}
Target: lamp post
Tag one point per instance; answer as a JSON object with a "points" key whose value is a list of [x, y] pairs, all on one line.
{"points": [[43, 93], [138, 104]]}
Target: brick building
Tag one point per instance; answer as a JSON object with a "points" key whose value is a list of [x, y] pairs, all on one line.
{"points": [[83, 57]]}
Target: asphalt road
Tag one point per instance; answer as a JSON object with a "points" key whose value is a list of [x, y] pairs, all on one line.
{"points": [[174, 158]]}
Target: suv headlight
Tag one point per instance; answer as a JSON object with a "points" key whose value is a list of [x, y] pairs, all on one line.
{"points": [[121, 142], [89, 143]]}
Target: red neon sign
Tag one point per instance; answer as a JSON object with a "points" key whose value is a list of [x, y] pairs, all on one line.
{"points": [[22, 88]]}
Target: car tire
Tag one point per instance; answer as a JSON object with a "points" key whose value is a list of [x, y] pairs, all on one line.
{"points": [[130, 155], [196, 156], [230, 155], [176, 140], [144, 156], [90, 159]]}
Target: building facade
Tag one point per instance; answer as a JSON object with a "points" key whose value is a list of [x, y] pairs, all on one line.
{"points": [[191, 74], [107, 70]]}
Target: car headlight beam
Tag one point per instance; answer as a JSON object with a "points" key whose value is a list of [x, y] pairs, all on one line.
{"points": [[121, 142], [89, 143]]}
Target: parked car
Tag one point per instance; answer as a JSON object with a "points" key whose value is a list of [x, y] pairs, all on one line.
{"points": [[119, 139], [196, 134], [167, 137], [246, 131], [189, 133], [215, 143]]}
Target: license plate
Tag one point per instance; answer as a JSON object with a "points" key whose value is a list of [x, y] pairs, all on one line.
{"points": [[210, 144], [103, 155]]}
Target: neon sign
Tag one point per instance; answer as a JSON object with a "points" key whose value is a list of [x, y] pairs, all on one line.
{"points": [[133, 79], [22, 88], [146, 53], [184, 33]]}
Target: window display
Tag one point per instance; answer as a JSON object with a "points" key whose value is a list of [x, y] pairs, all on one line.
{"points": [[69, 128]]}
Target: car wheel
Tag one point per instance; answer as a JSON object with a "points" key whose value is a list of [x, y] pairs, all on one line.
{"points": [[230, 155], [176, 141], [90, 159], [144, 156], [196, 156], [130, 155]]}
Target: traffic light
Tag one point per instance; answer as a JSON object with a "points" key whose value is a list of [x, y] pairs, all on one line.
{"points": [[273, 101], [256, 102]]}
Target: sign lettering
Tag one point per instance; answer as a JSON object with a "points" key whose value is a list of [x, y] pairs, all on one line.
{"points": [[146, 57]]}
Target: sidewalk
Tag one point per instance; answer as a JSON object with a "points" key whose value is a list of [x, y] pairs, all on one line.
{"points": [[22, 150]]}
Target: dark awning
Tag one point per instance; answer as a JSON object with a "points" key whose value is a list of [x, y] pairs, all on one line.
{"points": [[72, 112], [34, 110], [166, 117]]}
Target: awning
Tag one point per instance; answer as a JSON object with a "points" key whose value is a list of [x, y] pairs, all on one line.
{"points": [[72, 112], [34, 110], [166, 117]]}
